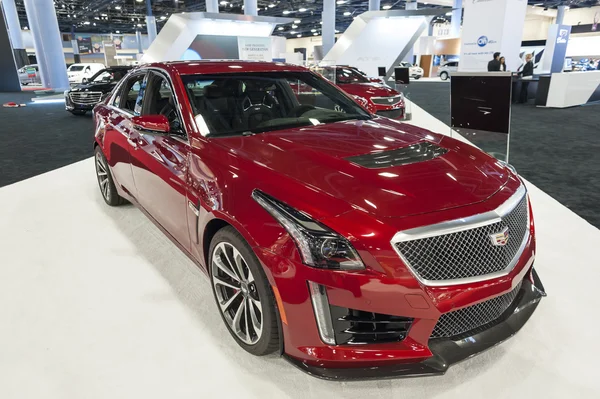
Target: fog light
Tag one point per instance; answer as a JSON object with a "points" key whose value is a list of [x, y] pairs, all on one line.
{"points": [[318, 296]]}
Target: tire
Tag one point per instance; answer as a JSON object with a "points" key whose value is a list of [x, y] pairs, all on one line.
{"points": [[417, 77], [78, 112], [241, 303], [105, 181], [444, 75]]}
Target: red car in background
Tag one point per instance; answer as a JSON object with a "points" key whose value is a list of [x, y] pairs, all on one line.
{"points": [[377, 97], [354, 245]]}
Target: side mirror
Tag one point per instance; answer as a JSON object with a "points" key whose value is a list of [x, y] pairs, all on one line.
{"points": [[84, 80], [157, 124]]}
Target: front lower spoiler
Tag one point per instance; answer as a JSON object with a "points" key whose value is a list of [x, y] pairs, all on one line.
{"points": [[447, 352]]}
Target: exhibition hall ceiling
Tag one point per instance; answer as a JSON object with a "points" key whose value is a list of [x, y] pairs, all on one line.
{"points": [[125, 16]]}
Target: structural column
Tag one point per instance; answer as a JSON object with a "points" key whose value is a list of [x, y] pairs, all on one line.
{"points": [[14, 32], [250, 7], [328, 17], [213, 6], [47, 42], [138, 39], [410, 5], [456, 19], [374, 5], [560, 15], [150, 22]]}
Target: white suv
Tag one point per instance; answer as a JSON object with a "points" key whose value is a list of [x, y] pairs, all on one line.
{"points": [[77, 72], [445, 70]]}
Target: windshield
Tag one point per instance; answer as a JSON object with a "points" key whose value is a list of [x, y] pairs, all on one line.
{"points": [[107, 76], [342, 75], [76, 68], [237, 104]]}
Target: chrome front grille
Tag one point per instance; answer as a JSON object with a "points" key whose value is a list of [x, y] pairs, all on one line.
{"points": [[467, 319], [465, 250], [85, 97], [387, 100]]}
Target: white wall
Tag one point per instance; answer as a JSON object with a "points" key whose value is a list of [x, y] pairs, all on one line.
{"points": [[581, 16], [536, 26]]}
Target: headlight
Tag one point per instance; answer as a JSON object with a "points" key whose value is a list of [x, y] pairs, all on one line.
{"points": [[318, 245]]}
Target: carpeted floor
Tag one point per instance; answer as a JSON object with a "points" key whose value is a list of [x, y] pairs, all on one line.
{"points": [[40, 137], [556, 149]]}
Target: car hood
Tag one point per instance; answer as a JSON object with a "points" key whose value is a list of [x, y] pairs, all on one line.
{"points": [[368, 90], [317, 156]]}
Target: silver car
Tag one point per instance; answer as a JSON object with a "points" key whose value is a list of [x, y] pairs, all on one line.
{"points": [[446, 70], [29, 74]]}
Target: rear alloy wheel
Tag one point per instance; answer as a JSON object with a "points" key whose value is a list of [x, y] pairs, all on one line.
{"points": [[105, 180], [244, 298]]}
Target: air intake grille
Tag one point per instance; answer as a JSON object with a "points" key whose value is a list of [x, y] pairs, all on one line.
{"points": [[358, 327], [467, 253], [419, 152], [470, 318], [86, 97]]}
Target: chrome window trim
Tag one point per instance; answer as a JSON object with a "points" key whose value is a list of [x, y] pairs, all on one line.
{"points": [[468, 223]]}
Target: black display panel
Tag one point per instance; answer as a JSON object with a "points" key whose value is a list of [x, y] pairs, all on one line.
{"points": [[212, 47], [401, 75], [481, 103], [381, 71]]}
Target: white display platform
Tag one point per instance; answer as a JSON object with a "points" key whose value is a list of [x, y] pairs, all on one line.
{"points": [[572, 88], [97, 303]]}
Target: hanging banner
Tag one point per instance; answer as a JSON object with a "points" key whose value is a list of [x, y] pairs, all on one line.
{"points": [[84, 43], [491, 26], [255, 48]]}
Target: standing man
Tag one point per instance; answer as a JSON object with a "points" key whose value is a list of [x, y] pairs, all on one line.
{"points": [[494, 65], [525, 73]]}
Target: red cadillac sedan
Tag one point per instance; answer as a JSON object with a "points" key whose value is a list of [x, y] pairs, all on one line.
{"points": [[354, 245], [375, 96]]}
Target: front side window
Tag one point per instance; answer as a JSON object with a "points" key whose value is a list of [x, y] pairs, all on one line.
{"points": [[236, 104], [159, 100], [132, 95]]}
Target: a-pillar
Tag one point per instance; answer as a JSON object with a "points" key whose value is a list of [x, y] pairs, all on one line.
{"points": [[328, 27], [456, 19], [374, 5], [212, 6], [150, 22], [14, 31], [490, 27], [48, 43], [560, 14], [250, 7]]}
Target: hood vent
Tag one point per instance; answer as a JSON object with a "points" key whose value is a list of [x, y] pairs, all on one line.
{"points": [[419, 152]]}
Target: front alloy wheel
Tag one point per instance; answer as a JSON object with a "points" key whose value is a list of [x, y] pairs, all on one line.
{"points": [[242, 293]]}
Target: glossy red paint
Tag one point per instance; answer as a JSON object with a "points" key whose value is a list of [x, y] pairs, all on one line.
{"points": [[173, 177], [151, 123]]}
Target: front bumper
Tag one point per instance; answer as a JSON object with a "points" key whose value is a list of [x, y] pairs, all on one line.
{"points": [[447, 352]]}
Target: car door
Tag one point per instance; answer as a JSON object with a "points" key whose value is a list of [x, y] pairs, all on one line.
{"points": [[159, 161], [119, 132]]}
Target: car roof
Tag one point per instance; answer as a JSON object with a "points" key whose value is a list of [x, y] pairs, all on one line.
{"points": [[224, 66]]}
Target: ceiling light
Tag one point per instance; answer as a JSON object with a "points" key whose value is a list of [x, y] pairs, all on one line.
{"points": [[337, 31], [298, 35], [294, 26], [104, 15], [302, 9], [117, 31], [280, 28], [139, 1], [271, 5], [341, 1], [25, 28], [139, 25], [117, 7], [86, 23], [224, 3], [94, 24], [163, 17], [347, 13], [286, 12], [315, 34], [387, 7], [297, 21], [449, 13], [293, 32], [321, 22], [313, 30]]}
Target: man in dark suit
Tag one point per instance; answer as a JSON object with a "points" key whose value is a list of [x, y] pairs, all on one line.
{"points": [[494, 65], [526, 71]]}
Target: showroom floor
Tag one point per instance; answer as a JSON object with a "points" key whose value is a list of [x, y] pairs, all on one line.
{"points": [[556, 149], [99, 304]]}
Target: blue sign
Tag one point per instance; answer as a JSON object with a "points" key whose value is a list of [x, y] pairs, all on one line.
{"points": [[482, 41]]}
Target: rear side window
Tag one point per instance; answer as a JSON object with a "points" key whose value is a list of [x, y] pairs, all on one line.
{"points": [[132, 95]]}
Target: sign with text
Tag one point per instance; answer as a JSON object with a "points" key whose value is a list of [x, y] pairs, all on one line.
{"points": [[255, 48]]}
